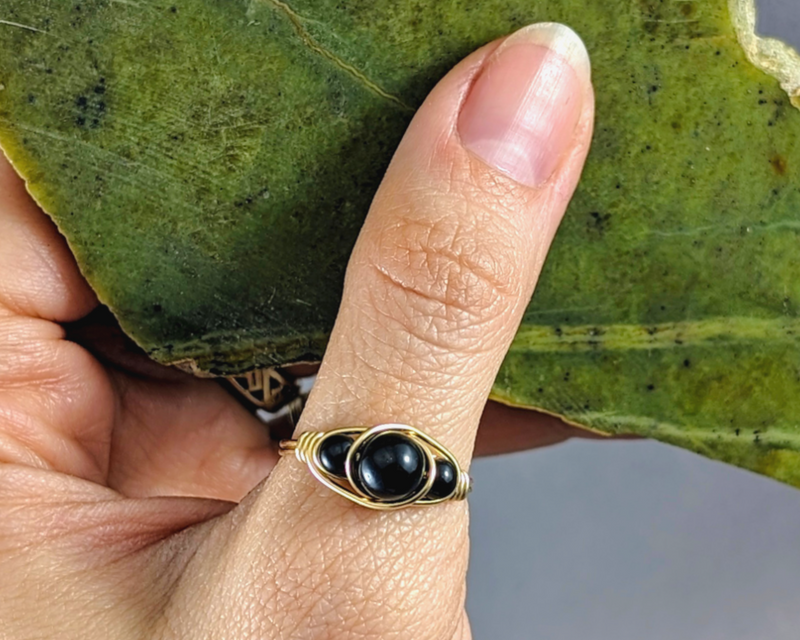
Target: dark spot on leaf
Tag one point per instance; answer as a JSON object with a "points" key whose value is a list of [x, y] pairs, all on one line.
{"points": [[598, 221], [778, 163], [91, 108], [687, 363], [651, 387]]}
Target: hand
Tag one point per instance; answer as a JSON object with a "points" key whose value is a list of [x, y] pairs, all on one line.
{"points": [[436, 287]]}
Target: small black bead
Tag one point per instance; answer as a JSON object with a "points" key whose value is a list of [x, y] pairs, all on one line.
{"points": [[333, 453], [391, 467], [446, 479]]}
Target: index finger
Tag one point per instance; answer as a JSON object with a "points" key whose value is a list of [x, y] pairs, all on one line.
{"points": [[436, 287]]}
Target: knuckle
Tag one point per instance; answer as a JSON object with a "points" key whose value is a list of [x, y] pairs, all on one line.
{"points": [[453, 267]]}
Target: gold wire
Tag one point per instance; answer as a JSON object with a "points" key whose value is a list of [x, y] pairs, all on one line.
{"points": [[306, 449]]}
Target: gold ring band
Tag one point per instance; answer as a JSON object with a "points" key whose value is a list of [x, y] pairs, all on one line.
{"points": [[386, 467]]}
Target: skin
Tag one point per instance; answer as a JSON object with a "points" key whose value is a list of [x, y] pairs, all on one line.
{"points": [[132, 498]]}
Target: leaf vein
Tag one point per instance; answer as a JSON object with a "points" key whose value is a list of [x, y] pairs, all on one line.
{"points": [[22, 26], [313, 45], [706, 332]]}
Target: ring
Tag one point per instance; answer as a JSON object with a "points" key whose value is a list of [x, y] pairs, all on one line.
{"points": [[386, 467]]}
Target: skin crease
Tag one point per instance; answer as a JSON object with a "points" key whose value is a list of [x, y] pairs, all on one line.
{"points": [[89, 440]]}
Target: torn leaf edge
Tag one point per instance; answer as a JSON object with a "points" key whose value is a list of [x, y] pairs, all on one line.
{"points": [[771, 55]]}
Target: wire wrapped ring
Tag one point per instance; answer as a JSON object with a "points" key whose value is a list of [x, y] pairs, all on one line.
{"points": [[386, 467]]}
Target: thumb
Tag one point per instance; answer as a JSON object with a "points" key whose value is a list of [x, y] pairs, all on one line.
{"points": [[436, 287]]}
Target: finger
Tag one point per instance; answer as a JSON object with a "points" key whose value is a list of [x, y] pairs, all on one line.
{"points": [[39, 275], [41, 375], [186, 438], [142, 435], [155, 433], [505, 429], [173, 434], [435, 290]]}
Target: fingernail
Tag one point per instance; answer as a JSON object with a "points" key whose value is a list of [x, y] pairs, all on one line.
{"points": [[521, 114]]}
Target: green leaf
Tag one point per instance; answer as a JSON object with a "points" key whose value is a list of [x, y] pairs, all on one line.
{"points": [[211, 161]]}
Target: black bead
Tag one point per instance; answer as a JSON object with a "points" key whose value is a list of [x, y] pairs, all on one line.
{"points": [[391, 467], [446, 478], [333, 453]]}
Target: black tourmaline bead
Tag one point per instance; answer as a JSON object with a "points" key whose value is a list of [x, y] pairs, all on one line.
{"points": [[333, 453], [446, 478], [391, 467]]}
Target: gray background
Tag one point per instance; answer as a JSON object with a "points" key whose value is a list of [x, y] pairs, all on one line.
{"points": [[635, 540]]}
